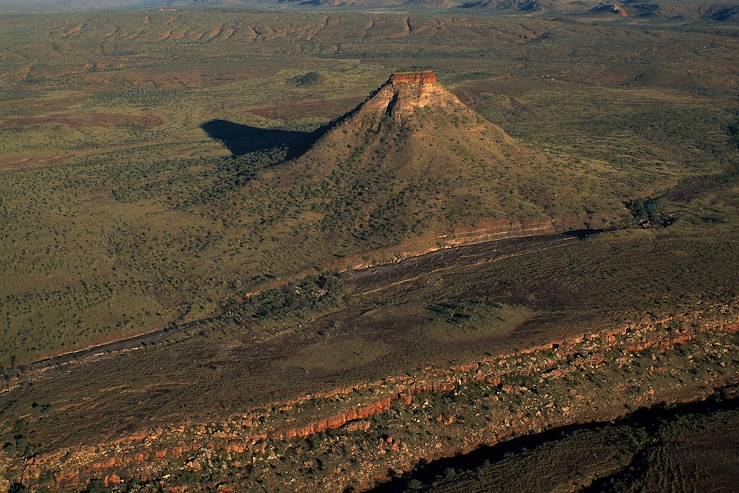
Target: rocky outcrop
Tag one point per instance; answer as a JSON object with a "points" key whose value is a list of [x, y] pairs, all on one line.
{"points": [[404, 93]]}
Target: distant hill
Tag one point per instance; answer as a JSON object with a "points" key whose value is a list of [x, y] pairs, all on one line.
{"points": [[680, 10], [76, 5], [70, 5]]}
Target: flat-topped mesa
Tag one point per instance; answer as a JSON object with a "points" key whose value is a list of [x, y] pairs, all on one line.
{"points": [[405, 92], [427, 77]]}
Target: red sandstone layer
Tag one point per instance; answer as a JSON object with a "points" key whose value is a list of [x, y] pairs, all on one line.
{"points": [[413, 78]]}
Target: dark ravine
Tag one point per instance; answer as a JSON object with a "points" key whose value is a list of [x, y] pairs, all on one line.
{"points": [[649, 420]]}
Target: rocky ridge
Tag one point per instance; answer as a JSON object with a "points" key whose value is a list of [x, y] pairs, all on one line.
{"points": [[394, 423]]}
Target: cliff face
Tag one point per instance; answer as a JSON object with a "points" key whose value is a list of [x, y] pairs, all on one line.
{"points": [[413, 78]]}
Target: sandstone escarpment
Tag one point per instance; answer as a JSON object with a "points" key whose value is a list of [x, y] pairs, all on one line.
{"points": [[413, 78]]}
